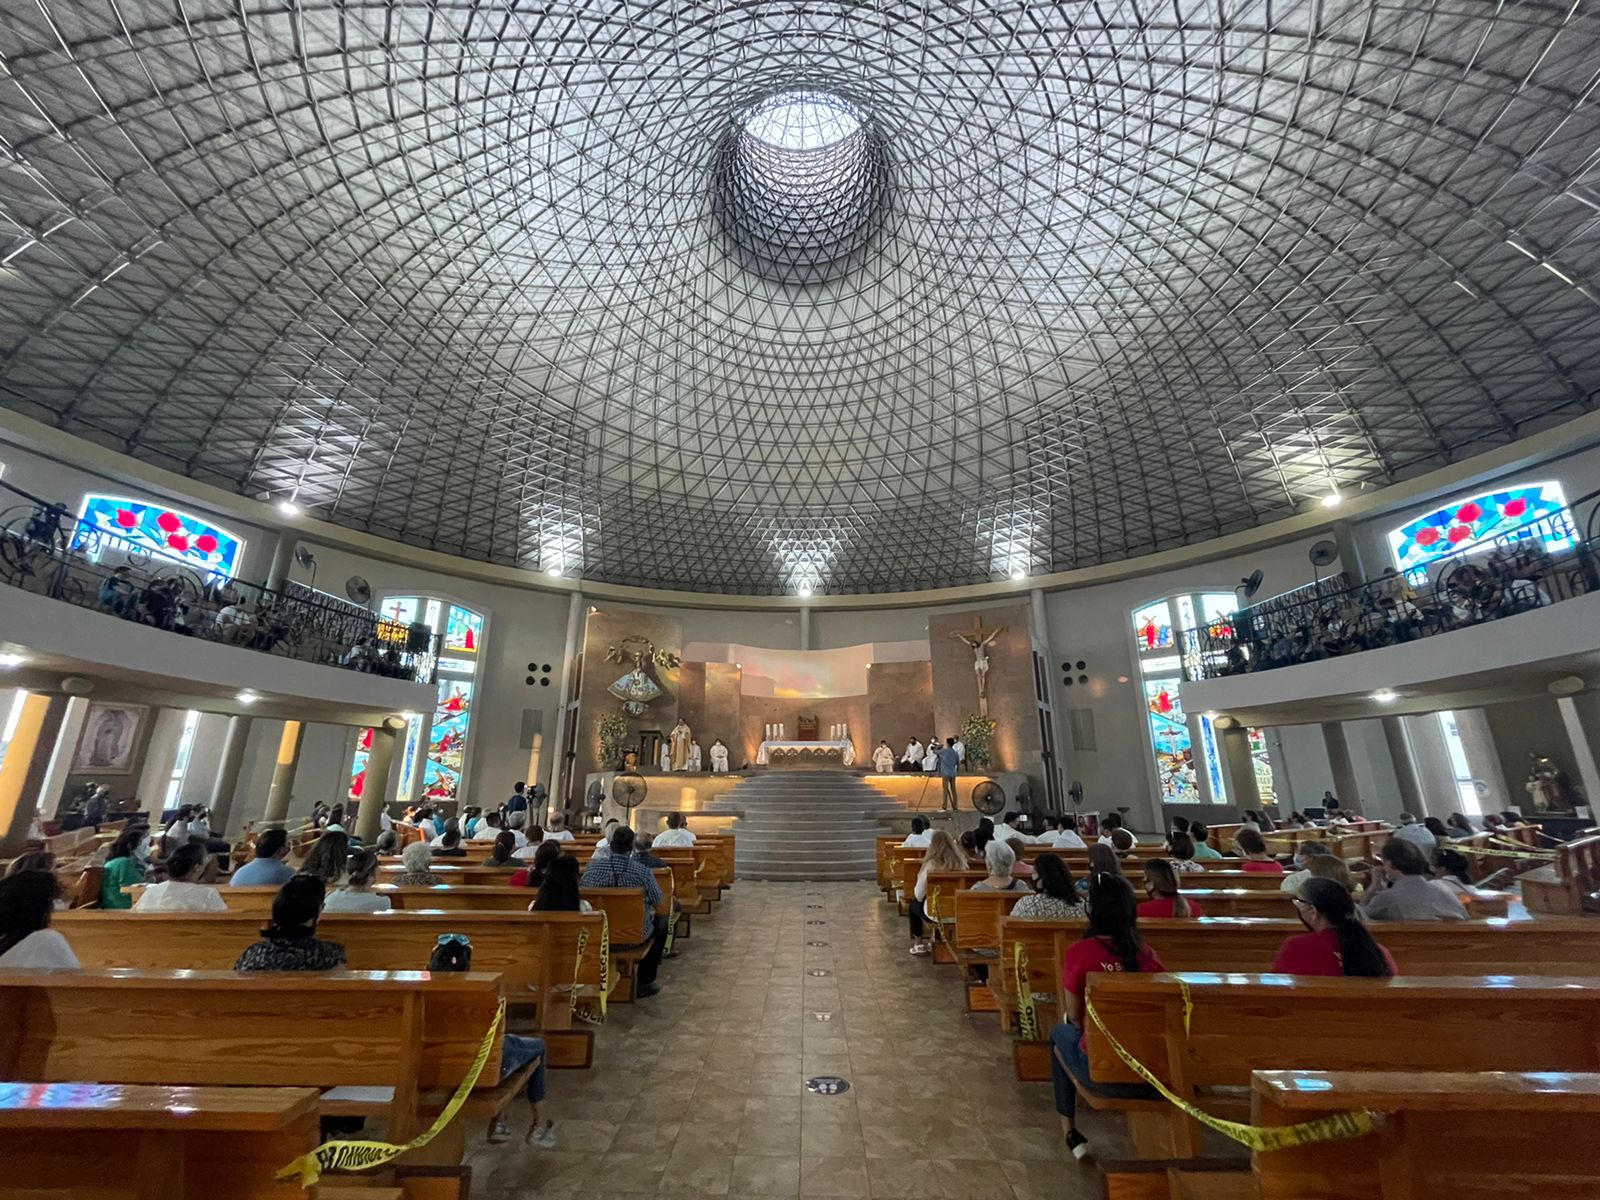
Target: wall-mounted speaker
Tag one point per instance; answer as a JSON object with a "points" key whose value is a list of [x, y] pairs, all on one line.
{"points": [[538, 674]]}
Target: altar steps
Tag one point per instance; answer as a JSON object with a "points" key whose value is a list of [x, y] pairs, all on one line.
{"points": [[806, 825]]}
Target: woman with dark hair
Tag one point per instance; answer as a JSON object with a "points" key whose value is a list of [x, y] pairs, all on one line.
{"points": [[26, 940], [1103, 860], [1338, 943], [1441, 835], [1451, 870], [505, 844], [1111, 943], [183, 890], [1055, 898], [1182, 847], [357, 896], [1161, 885], [559, 891], [124, 867], [290, 943], [450, 845], [329, 858], [982, 835], [1252, 847], [1458, 826], [533, 876]]}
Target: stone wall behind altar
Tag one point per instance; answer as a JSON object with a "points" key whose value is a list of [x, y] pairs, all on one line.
{"points": [[1013, 703], [709, 700], [900, 699], [607, 627]]}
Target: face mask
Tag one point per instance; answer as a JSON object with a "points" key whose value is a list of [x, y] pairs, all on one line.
{"points": [[144, 847]]}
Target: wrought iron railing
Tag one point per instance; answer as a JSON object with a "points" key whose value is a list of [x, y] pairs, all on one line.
{"points": [[47, 551], [1532, 565]]}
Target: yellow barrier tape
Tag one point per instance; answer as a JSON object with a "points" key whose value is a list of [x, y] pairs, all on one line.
{"points": [[1027, 1015], [672, 932], [363, 1155], [1524, 851], [1337, 1127], [586, 1012]]}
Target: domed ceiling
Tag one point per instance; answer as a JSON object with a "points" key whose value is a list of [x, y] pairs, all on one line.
{"points": [[756, 297]]}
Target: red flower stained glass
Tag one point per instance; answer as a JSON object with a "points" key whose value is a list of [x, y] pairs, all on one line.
{"points": [[206, 544], [169, 522], [1459, 533], [1427, 537], [177, 541], [1515, 508], [127, 519], [1469, 513]]}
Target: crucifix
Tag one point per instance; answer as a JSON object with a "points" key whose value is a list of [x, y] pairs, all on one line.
{"points": [[980, 642]]}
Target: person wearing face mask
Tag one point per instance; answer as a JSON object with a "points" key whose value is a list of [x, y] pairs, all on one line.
{"points": [[125, 866], [1338, 944]]}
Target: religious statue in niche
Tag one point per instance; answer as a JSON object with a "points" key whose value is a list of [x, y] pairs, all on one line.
{"points": [[680, 740], [1548, 787], [637, 690], [979, 642], [719, 757]]}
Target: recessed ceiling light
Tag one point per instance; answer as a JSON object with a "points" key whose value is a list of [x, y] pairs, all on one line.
{"points": [[1019, 574], [247, 697], [288, 508], [1385, 696], [805, 589], [1332, 500], [8, 661], [553, 572]]}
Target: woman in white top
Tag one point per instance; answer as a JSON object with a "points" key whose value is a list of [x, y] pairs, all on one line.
{"points": [[943, 854], [357, 896], [26, 940], [183, 891]]}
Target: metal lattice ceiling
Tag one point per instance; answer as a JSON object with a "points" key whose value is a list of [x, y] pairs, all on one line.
{"points": [[1039, 285]]}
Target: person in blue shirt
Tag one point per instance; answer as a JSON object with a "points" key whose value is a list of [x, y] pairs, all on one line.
{"points": [[518, 801], [267, 868], [949, 762]]}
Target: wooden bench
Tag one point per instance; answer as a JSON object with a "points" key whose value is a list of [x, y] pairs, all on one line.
{"points": [[1240, 1023], [1444, 1135], [404, 1031], [1568, 887], [460, 871], [536, 954], [152, 1142]]}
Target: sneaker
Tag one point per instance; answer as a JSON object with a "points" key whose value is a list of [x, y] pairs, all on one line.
{"points": [[922, 948], [544, 1136], [499, 1131], [1078, 1144]]}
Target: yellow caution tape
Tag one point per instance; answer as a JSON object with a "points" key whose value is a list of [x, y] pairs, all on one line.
{"points": [[1337, 1127], [1027, 1014], [672, 932], [586, 1012], [363, 1155]]}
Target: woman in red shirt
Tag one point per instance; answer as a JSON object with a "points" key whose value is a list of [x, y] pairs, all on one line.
{"points": [[1111, 943], [1252, 848], [1161, 885], [1338, 943]]}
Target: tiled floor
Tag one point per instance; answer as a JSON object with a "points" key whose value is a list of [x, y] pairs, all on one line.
{"points": [[701, 1090]]}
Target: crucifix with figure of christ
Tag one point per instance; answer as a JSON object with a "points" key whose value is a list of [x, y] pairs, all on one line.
{"points": [[979, 641]]}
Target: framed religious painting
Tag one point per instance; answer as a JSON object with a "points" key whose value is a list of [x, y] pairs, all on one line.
{"points": [[109, 738]]}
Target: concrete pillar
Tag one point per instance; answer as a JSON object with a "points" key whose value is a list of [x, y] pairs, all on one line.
{"points": [[160, 757], [1583, 736], [282, 560], [805, 627], [375, 790], [1339, 766], [282, 790], [1052, 684], [1349, 554], [569, 657], [1238, 767], [1405, 766], [226, 783], [27, 761], [54, 787]]}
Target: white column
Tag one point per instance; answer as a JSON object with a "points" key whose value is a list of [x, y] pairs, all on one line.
{"points": [[1041, 636], [55, 777], [226, 783], [160, 756], [1405, 767], [1583, 740], [1339, 766]]}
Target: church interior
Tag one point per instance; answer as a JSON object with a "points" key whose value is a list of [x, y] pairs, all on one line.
{"points": [[910, 602]]}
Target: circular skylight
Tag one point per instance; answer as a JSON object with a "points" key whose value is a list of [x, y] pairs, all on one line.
{"points": [[800, 184]]}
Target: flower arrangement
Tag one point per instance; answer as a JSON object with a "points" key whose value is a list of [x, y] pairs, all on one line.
{"points": [[977, 732], [612, 731]]}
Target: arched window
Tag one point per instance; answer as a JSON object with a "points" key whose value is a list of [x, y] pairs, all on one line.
{"points": [[143, 526], [1526, 511]]}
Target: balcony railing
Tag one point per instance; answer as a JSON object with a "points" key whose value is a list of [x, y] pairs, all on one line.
{"points": [[47, 551], [1513, 572]]}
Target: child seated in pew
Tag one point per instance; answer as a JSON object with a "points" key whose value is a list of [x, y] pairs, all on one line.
{"points": [[27, 943], [183, 890], [290, 943], [1338, 943], [1111, 943], [357, 896], [454, 953], [1165, 900]]}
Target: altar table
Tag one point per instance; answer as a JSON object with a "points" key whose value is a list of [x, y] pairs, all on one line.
{"points": [[781, 750]]}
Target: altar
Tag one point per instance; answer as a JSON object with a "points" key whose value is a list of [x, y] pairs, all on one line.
{"points": [[784, 752]]}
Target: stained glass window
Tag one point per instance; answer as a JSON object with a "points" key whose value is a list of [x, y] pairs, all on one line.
{"points": [[1528, 511], [436, 743], [1152, 627], [161, 531], [1170, 739], [1261, 761]]}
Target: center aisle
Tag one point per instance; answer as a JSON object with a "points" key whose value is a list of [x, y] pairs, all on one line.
{"points": [[701, 1090]]}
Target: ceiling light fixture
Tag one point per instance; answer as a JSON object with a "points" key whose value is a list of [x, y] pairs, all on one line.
{"points": [[289, 508], [553, 572], [1018, 574], [247, 697], [1332, 500], [805, 590], [1385, 696], [8, 661]]}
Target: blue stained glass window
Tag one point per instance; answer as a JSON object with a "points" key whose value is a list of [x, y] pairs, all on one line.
{"points": [[1533, 510], [150, 528]]}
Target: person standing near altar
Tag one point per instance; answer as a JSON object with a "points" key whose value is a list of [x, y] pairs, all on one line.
{"points": [[883, 759], [666, 757], [694, 755], [911, 760], [949, 763], [680, 739], [719, 758]]}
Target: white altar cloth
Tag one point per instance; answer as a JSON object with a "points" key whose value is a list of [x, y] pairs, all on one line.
{"points": [[790, 747]]}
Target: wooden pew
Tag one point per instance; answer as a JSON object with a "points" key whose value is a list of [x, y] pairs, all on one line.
{"points": [[406, 1030], [459, 871], [1443, 1136], [1567, 888], [685, 882], [1423, 948], [536, 954], [975, 940], [1240, 1023], [152, 1142]]}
